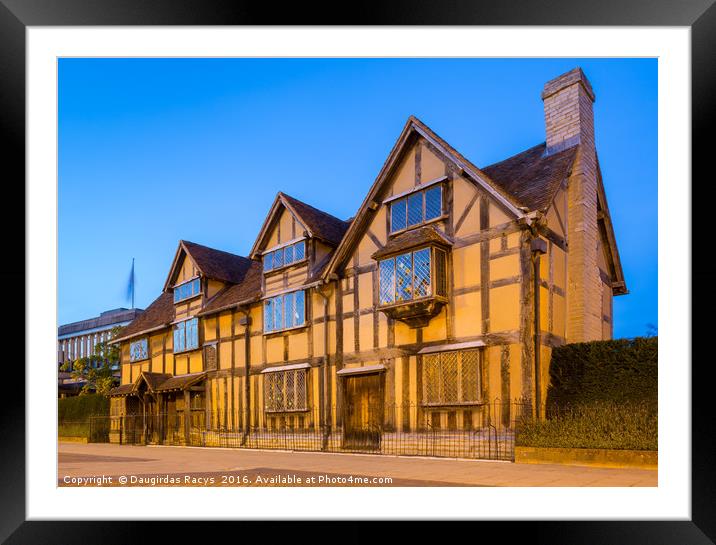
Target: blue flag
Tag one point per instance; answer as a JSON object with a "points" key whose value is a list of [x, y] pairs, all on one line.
{"points": [[130, 285]]}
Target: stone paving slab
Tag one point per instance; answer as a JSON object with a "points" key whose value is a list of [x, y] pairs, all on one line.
{"points": [[78, 460]]}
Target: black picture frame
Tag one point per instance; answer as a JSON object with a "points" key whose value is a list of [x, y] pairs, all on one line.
{"points": [[700, 15]]}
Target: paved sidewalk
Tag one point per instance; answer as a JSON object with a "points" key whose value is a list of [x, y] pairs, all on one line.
{"points": [[215, 467]]}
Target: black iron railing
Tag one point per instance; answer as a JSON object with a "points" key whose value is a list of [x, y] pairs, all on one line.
{"points": [[480, 431]]}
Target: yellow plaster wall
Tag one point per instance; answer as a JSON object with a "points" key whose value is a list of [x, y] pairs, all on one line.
{"points": [[366, 332], [187, 270], [209, 328], [463, 192], [225, 355], [274, 349], [559, 315], [366, 248], [214, 287], [365, 290], [298, 276], [298, 345], [348, 336], [126, 373], [431, 166], [505, 308], [318, 346], [403, 334], [466, 266], [225, 325], [505, 267], [404, 178], [497, 215], [436, 330], [287, 226], [468, 315]]}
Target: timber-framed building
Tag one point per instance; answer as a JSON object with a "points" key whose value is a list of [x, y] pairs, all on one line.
{"points": [[448, 289]]}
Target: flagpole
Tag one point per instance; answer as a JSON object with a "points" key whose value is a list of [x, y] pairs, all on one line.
{"points": [[132, 283]]}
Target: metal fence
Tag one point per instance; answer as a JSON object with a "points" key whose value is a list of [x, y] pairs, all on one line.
{"points": [[485, 431]]}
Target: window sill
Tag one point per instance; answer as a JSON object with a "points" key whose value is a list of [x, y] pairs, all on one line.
{"points": [[140, 360], [415, 312], [284, 267], [418, 225], [279, 332], [187, 299], [187, 350]]}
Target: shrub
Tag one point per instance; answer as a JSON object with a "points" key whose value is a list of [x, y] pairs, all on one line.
{"points": [[600, 424], [621, 371], [80, 408]]}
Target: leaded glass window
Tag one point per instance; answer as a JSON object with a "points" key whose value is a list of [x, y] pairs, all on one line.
{"points": [[285, 311], [300, 309], [284, 256], [268, 315], [417, 208], [289, 307], [278, 258], [387, 281], [187, 290], [404, 277], [186, 335], [138, 350], [410, 276], [398, 215], [433, 202], [452, 378], [286, 391], [421, 281]]}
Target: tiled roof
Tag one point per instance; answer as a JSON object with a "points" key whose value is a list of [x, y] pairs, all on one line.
{"points": [[217, 264], [322, 225], [159, 313], [159, 382], [153, 380], [411, 239], [124, 389], [249, 288], [179, 382], [531, 177]]}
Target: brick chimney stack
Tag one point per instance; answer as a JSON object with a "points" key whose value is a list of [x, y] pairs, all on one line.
{"points": [[569, 121]]}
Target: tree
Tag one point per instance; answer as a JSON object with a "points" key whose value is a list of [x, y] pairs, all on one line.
{"points": [[97, 370]]}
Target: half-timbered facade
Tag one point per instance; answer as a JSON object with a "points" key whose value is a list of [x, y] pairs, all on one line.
{"points": [[447, 289]]}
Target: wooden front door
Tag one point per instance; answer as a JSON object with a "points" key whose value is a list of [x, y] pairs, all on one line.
{"points": [[363, 412]]}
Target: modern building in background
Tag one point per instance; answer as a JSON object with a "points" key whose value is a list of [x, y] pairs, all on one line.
{"points": [[78, 340]]}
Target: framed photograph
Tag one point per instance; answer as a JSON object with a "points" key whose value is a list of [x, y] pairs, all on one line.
{"points": [[414, 269]]}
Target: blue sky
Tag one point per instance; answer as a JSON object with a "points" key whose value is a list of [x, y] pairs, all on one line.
{"points": [[156, 150]]}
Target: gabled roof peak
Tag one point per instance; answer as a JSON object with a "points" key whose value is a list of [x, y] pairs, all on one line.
{"points": [[318, 224], [212, 263]]}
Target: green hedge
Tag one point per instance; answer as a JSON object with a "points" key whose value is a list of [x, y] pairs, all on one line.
{"points": [[80, 408], [602, 394], [620, 371], [599, 424]]}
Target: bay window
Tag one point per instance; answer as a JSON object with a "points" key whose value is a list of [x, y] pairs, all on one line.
{"points": [[412, 275]]}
